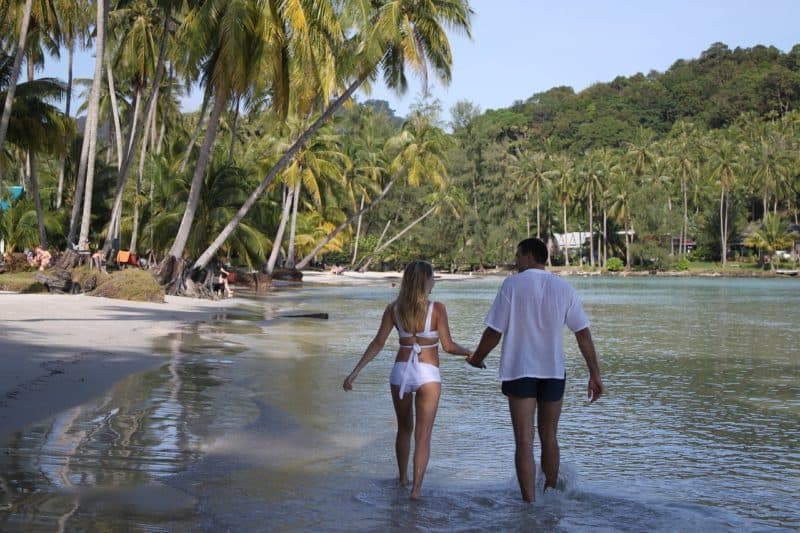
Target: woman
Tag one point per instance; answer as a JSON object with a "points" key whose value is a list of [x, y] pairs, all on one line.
{"points": [[415, 381]]}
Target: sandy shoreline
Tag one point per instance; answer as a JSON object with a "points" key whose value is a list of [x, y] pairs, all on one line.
{"points": [[58, 351]]}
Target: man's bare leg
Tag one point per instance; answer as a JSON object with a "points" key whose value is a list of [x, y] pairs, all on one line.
{"points": [[522, 410], [427, 403], [549, 413], [405, 425]]}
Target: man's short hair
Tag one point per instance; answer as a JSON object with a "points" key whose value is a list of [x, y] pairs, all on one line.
{"points": [[535, 247]]}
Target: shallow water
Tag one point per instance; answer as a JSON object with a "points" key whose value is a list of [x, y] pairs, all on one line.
{"points": [[247, 427]]}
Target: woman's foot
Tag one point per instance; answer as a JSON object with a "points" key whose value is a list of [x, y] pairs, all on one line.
{"points": [[416, 494]]}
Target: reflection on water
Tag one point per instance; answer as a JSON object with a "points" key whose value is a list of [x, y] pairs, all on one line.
{"points": [[247, 428]]}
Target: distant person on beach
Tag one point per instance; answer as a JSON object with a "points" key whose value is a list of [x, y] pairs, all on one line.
{"points": [[415, 380], [221, 278], [529, 314], [42, 258]]}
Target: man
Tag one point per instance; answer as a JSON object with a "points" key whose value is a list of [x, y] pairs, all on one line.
{"points": [[529, 314]]}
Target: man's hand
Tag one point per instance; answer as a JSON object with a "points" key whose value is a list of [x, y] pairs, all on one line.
{"points": [[474, 362], [596, 388]]}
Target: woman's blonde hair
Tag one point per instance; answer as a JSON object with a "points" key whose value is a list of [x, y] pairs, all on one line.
{"points": [[413, 298]]}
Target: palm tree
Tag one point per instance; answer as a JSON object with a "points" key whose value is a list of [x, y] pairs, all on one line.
{"points": [[770, 237], [74, 18], [620, 209], [137, 51], [450, 200], [420, 150], [564, 168], [238, 39], [532, 174], [683, 158], [5, 118], [90, 137], [395, 33], [725, 166]]}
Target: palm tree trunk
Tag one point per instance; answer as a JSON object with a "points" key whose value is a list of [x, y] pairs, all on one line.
{"points": [[15, 70], [723, 224], [196, 135], [293, 227], [628, 240], [685, 229], [233, 131], [112, 95], [364, 263], [538, 219], [37, 198], [591, 233], [276, 245], [102, 19], [206, 256], [80, 186], [527, 215], [62, 162], [138, 128], [358, 231], [302, 264], [605, 238], [566, 249], [197, 180], [402, 232]]}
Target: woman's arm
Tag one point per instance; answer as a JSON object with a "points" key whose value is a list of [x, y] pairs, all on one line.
{"points": [[373, 348], [443, 327]]}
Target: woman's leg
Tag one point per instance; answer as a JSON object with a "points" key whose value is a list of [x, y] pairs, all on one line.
{"points": [[427, 403], [405, 425]]}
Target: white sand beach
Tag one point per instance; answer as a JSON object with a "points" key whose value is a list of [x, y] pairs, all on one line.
{"points": [[57, 351]]}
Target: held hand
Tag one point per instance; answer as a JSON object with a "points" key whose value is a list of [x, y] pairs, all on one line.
{"points": [[474, 362], [596, 388]]}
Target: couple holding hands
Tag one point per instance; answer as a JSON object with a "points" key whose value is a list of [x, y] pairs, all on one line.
{"points": [[529, 314]]}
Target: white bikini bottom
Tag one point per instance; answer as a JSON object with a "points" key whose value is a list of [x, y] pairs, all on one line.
{"points": [[410, 377]]}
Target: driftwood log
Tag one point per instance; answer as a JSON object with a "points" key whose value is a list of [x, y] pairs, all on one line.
{"points": [[58, 280]]}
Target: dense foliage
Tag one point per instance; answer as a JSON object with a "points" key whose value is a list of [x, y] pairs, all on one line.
{"points": [[282, 167]]}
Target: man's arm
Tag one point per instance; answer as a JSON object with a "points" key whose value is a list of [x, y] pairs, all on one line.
{"points": [[488, 341], [586, 346]]}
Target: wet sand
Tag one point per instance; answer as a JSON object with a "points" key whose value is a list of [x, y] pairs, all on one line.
{"points": [[58, 351]]}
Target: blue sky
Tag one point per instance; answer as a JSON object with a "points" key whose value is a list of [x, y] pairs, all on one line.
{"points": [[521, 47]]}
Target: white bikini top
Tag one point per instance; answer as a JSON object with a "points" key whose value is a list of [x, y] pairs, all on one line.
{"points": [[426, 334]]}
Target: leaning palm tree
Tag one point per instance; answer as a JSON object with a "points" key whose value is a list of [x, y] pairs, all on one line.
{"points": [[240, 39], [420, 150], [390, 35], [5, 118]]}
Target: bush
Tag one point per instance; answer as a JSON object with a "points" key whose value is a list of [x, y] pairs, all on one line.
{"points": [[682, 265], [130, 284], [615, 264]]}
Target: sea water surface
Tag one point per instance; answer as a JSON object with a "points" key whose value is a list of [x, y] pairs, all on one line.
{"points": [[247, 428]]}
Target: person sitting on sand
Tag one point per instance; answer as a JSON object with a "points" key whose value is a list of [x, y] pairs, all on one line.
{"points": [[221, 278], [42, 258], [415, 381]]}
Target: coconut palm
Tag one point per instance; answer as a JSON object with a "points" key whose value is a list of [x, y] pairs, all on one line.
{"points": [[725, 167], [389, 34], [620, 209], [419, 158], [237, 39], [530, 169], [564, 168], [773, 235], [5, 118]]}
